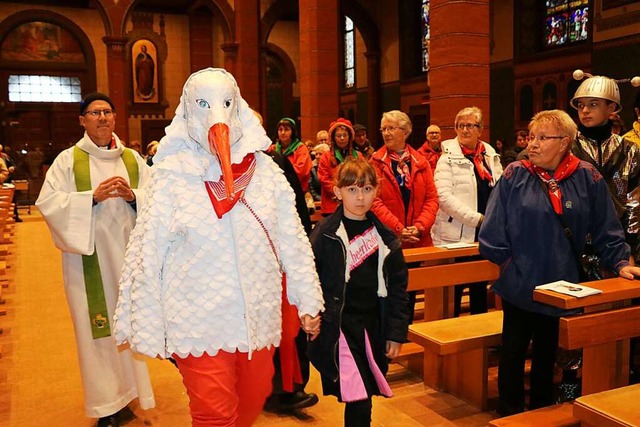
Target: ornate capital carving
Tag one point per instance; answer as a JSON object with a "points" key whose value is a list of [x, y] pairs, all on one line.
{"points": [[115, 44]]}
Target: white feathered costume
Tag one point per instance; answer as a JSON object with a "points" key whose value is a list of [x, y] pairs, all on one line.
{"points": [[195, 280]]}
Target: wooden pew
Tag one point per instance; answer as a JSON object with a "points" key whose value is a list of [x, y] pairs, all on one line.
{"points": [[603, 332], [618, 407], [456, 354], [551, 416]]}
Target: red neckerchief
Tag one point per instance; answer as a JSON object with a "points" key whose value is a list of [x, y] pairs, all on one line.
{"points": [[567, 166], [112, 143], [242, 174], [478, 160], [403, 166]]}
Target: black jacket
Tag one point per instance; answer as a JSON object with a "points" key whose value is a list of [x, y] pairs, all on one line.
{"points": [[330, 255]]}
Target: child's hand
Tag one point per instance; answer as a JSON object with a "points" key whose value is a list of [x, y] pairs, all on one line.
{"points": [[393, 349], [311, 325]]}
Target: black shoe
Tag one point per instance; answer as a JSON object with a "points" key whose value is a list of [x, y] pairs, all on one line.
{"points": [[110, 421], [17, 219], [297, 400]]}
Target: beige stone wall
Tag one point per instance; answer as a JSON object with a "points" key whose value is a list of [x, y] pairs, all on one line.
{"points": [[386, 15], [361, 61], [501, 31], [286, 36], [176, 68]]}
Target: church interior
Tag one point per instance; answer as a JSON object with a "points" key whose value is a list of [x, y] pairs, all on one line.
{"points": [[311, 60]]}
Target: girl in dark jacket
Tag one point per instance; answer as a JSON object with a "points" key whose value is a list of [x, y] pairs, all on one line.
{"points": [[364, 280]]}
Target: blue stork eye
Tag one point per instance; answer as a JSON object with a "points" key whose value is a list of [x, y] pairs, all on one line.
{"points": [[202, 103]]}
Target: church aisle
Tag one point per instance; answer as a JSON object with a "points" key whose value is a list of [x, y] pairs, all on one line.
{"points": [[40, 381]]}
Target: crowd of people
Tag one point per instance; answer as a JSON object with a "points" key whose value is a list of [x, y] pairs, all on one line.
{"points": [[222, 236]]}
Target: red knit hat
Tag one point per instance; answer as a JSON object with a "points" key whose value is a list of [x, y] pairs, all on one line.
{"points": [[342, 122]]}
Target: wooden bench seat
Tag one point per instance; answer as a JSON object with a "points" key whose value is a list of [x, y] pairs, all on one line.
{"points": [[456, 354], [612, 408], [551, 416], [604, 337]]}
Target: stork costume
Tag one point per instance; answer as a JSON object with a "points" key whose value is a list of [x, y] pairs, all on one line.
{"points": [[111, 376], [203, 273]]}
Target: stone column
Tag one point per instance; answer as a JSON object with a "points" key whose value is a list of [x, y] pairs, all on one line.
{"points": [[373, 105], [118, 79], [230, 56], [319, 73], [459, 61], [248, 75], [200, 39]]}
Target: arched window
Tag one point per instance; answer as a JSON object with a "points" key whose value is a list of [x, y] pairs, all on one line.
{"points": [[426, 33], [526, 103], [549, 96], [349, 53], [566, 21]]}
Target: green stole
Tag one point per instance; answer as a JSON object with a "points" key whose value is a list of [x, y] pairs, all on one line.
{"points": [[354, 153], [98, 315], [293, 146]]}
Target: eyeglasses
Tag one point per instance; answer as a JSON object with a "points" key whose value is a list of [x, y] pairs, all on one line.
{"points": [[543, 138], [97, 113], [341, 135], [389, 129], [467, 126]]}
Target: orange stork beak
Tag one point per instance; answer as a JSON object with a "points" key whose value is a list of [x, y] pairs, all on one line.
{"points": [[220, 147]]}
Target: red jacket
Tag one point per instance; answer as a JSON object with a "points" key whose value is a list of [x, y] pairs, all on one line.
{"points": [[326, 176], [431, 155], [423, 205], [301, 161]]}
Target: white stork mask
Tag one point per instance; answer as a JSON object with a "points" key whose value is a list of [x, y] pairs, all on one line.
{"points": [[215, 124]]}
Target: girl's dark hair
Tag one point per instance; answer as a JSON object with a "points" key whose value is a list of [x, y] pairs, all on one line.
{"points": [[355, 172]]}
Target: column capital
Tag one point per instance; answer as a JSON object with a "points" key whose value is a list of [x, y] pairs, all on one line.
{"points": [[115, 44], [230, 49]]}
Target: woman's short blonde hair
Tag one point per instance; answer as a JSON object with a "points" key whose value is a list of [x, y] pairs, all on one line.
{"points": [[470, 111], [402, 119], [558, 118]]}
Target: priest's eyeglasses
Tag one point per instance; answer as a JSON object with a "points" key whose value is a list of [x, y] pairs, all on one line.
{"points": [[96, 113]]}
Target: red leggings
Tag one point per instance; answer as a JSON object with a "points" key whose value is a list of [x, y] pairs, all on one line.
{"points": [[227, 389]]}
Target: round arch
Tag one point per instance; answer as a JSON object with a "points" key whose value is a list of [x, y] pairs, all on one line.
{"points": [[19, 18]]}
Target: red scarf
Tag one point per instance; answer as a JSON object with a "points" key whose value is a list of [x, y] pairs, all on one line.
{"points": [[565, 169], [403, 166], [242, 174], [478, 160]]}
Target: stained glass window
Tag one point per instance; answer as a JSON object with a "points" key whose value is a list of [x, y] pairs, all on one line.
{"points": [[349, 53], [426, 33], [23, 88], [566, 21]]}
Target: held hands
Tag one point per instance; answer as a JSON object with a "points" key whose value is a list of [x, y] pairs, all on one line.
{"points": [[112, 188], [311, 325], [393, 349], [410, 234]]}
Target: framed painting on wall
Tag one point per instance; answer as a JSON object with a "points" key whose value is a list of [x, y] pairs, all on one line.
{"points": [[144, 71]]}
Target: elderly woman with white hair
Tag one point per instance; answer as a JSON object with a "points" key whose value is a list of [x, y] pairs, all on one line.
{"points": [[465, 175], [523, 232], [407, 200]]}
